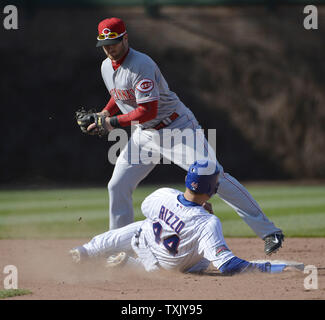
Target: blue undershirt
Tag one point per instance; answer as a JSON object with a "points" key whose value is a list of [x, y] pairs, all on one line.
{"points": [[187, 203]]}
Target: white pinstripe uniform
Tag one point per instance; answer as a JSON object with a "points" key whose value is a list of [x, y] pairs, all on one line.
{"points": [[139, 80], [176, 234]]}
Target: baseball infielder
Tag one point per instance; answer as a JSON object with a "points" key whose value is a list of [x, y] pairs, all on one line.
{"points": [[140, 92], [178, 233]]}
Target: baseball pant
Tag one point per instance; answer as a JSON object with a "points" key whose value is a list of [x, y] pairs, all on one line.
{"points": [[113, 241], [145, 149]]}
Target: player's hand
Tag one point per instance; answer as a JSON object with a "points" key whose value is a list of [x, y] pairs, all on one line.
{"points": [[208, 207], [92, 129], [100, 127]]}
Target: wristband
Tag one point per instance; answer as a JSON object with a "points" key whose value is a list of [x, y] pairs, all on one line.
{"points": [[114, 122]]}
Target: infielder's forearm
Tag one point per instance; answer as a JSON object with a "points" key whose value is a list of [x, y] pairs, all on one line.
{"points": [[145, 112]]}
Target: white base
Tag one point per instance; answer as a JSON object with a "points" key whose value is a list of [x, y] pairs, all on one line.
{"points": [[290, 264]]}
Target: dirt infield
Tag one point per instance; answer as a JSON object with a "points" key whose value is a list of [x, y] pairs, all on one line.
{"points": [[45, 268]]}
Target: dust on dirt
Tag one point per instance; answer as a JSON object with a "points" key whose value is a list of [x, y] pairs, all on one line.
{"points": [[45, 268]]}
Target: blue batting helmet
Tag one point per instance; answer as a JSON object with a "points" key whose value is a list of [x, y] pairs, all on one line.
{"points": [[202, 177]]}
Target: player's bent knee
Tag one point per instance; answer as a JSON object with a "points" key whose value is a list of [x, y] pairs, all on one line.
{"points": [[114, 186], [120, 185]]}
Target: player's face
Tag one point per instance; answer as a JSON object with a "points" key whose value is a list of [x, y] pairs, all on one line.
{"points": [[118, 50]]}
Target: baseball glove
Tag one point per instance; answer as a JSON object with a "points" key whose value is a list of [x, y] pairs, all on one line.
{"points": [[86, 118]]}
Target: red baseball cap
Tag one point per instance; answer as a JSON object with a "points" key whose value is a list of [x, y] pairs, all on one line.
{"points": [[110, 31]]}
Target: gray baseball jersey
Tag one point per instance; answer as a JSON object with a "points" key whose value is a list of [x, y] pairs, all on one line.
{"points": [[139, 80]]}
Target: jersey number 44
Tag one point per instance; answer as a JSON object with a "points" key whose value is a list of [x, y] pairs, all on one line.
{"points": [[171, 243]]}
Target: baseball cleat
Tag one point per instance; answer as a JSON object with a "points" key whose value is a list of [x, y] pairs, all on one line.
{"points": [[116, 261], [78, 254], [273, 242]]}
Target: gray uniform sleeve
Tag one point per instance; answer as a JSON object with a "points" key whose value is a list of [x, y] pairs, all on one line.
{"points": [[146, 82]]}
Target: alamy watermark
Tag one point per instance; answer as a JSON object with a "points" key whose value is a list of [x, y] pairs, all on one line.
{"points": [[10, 21], [10, 280], [181, 147], [311, 20], [311, 281]]}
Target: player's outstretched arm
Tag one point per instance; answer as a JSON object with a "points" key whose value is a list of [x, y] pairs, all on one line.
{"points": [[214, 247], [237, 265]]}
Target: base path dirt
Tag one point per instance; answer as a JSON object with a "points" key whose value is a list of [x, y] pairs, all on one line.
{"points": [[45, 268]]}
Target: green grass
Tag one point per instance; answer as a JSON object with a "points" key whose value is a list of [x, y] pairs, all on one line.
{"points": [[72, 213], [13, 293]]}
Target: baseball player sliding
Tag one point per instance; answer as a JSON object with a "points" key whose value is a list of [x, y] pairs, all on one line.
{"points": [[139, 90], [179, 233]]}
